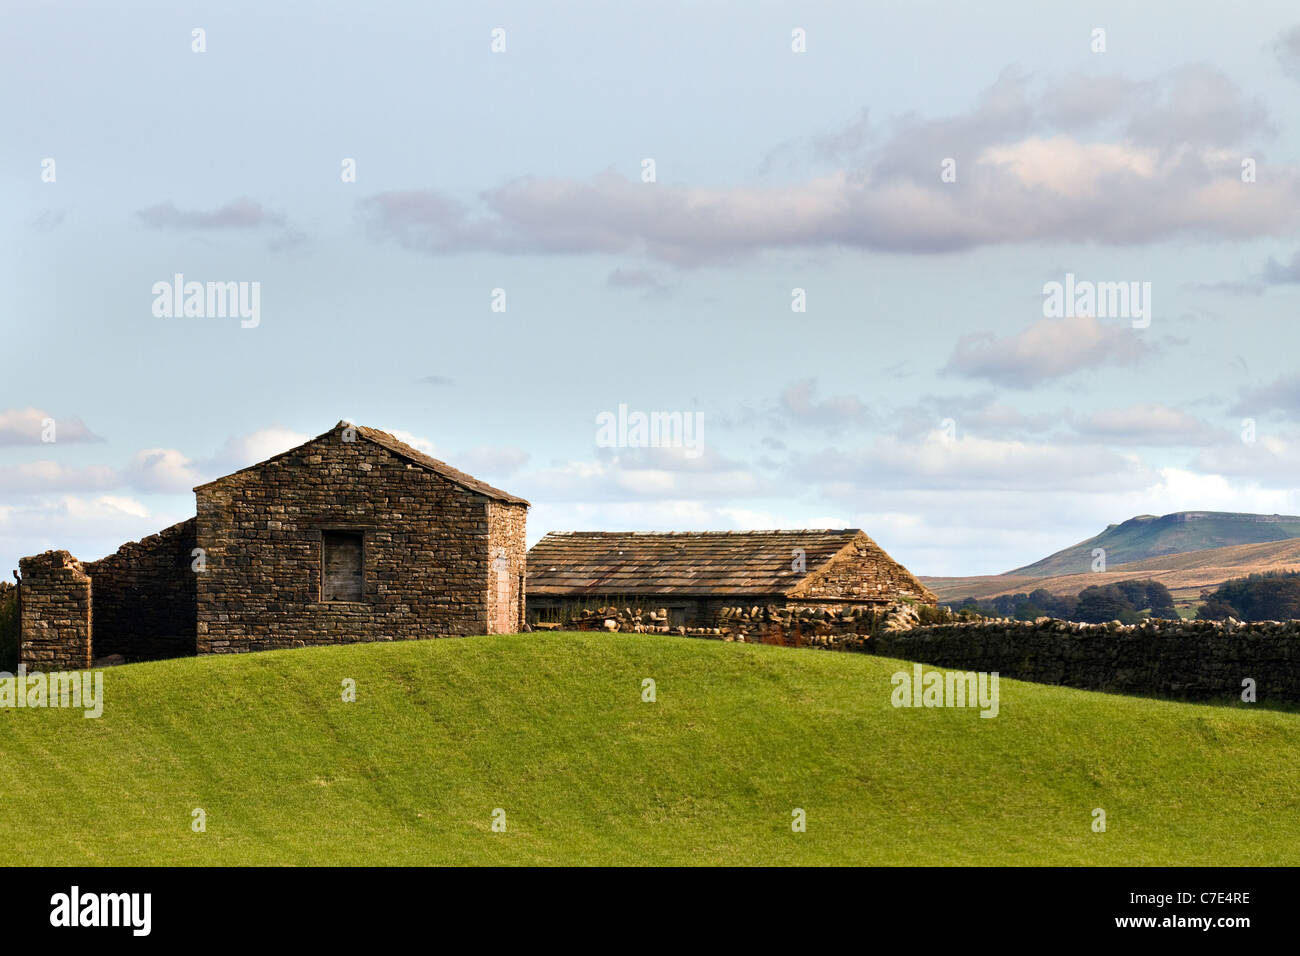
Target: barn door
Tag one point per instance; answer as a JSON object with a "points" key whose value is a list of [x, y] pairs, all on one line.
{"points": [[341, 565]]}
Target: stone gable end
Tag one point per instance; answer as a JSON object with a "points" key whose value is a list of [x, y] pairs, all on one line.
{"points": [[862, 571], [350, 537], [428, 546]]}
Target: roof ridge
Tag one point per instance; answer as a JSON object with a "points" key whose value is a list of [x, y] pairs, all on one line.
{"points": [[394, 444], [680, 534], [398, 447]]}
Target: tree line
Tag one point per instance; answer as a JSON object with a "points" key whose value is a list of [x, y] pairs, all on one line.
{"points": [[1271, 596], [1124, 601]]}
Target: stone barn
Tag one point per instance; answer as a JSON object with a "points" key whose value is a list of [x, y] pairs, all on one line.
{"points": [[352, 536], [701, 578]]}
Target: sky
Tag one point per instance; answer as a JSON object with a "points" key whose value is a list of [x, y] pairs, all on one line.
{"points": [[824, 234]]}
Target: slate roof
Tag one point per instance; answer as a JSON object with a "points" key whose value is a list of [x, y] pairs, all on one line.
{"points": [[685, 563], [385, 440], [402, 450]]}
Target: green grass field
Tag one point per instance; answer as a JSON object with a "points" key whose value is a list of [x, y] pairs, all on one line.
{"points": [[552, 729]]}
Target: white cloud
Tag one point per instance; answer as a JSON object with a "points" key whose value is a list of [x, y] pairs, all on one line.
{"points": [[1281, 395], [87, 526], [968, 462], [29, 426], [164, 470], [492, 460], [61, 511], [236, 214], [1048, 349], [646, 475], [1148, 423], [105, 505], [1068, 168], [799, 402], [1271, 461], [1163, 162], [48, 476], [416, 442], [981, 414], [244, 450]]}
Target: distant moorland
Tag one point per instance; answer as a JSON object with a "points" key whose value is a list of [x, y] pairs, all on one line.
{"points": [[1187, 552]]}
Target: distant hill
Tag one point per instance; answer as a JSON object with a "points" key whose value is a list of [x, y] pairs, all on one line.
{"points": [[1185, 574], [1146, 536]]}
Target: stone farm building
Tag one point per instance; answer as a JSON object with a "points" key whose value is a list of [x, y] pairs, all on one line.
{"points": [[698, 577], [352, 536]]}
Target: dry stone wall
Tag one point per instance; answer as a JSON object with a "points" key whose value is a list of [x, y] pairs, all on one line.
{"points": [[1193, 660], [1189, 660], [55, 613], [789, 625]]}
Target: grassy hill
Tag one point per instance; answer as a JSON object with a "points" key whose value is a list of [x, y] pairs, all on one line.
{"points": [[1185, 575], [552, 728], [1147, 536]]}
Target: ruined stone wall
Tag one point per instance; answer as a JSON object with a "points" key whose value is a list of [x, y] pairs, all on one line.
{"points": [[426, 562], [1194, 660], [863, 573], [788, 625], [145, 597], [506, 587], [55, 615]]}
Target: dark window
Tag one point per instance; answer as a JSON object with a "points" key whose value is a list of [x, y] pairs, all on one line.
{"points": [[341, 577]]}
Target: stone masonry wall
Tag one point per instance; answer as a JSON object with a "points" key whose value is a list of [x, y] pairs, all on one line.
{"points": [[788, 625], [1193, 660], [425, 554], [506, 539], [653, 613], [145, 597], [862, 573], [56, 614]]}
